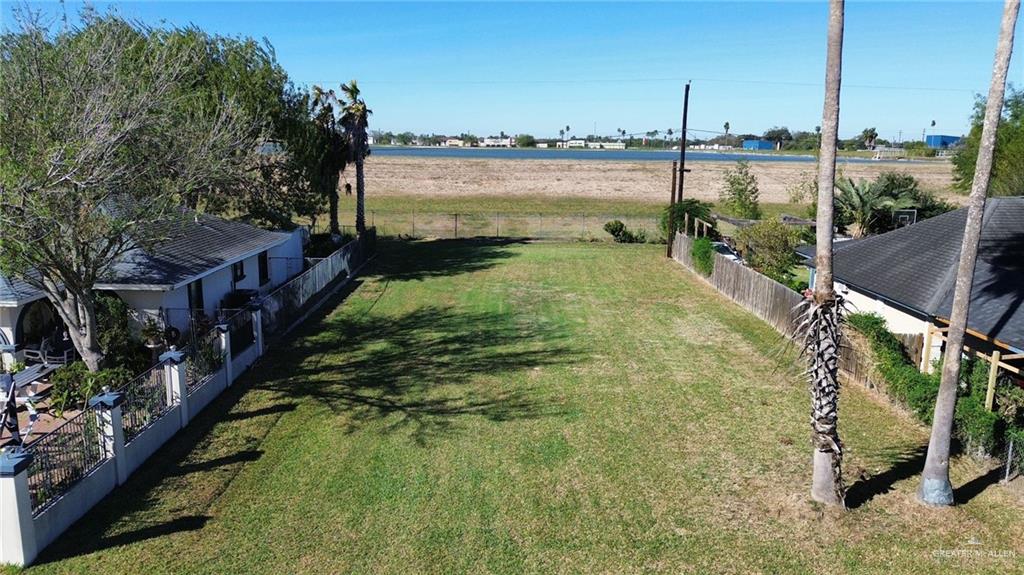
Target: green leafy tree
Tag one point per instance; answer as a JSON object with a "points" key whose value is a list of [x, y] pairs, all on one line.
{"points": [[96, 152], [740, 192], [677, 213], [526, 141], [770, 247], [1008, 163]]}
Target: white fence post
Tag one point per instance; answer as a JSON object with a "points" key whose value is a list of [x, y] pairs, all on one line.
{"points": [[225, 346], [111, 426], [257, 327], [17, 529], [177, 382]]}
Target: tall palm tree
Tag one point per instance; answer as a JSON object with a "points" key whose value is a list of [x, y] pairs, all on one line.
{"points": [[355, 119], [332, 156], [726, 126], [822, 315], [935, 486]]}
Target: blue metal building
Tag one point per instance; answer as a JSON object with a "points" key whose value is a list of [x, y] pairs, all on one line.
{"points": [[758, 145], [938, 142]]}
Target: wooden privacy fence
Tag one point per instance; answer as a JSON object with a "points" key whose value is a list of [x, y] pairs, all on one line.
{"points": [[755, 292], [774, 303]]}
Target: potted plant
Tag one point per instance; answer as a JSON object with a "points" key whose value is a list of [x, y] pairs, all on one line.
{"points": [[152, 335]]}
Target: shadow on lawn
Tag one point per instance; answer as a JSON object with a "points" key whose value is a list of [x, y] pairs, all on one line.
{"points": [[414, 370], [422, 371], [418, 260]]}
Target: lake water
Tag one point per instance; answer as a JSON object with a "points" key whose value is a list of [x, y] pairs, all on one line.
{"points": [[604, 155]]}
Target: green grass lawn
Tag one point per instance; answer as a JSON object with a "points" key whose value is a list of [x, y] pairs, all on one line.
{"points": [[479, 407]]}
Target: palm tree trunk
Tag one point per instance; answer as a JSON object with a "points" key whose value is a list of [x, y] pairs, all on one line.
{"points": [[360, 187], [936, 488], [333, 199], [826, 312]]}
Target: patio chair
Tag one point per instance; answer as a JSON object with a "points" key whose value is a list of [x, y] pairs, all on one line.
{"points": [[49, 354]]}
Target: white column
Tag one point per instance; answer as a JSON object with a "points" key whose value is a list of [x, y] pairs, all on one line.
{"points": [[177, 382], [225, 346], [111, 425], [257, 328], [17, 529]]}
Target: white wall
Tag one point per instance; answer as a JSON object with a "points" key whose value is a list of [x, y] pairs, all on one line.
{"points": [[8, 319], [898, 321], [286, 260]]}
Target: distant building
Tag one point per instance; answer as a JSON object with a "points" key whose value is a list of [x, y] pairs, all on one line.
{"points": [[708, 147], [453, 143], [542, 144], [758, 145], [606, 145], [497, 143], [938, 142]]}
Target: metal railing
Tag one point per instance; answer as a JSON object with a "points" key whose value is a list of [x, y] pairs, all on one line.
{"points": [[241, 329], [203, 357], [145, 400], [62, 457]]}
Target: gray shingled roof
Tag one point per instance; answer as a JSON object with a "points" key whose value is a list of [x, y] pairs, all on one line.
{"points": [[14, 291], [915, 266], [196, 245]]}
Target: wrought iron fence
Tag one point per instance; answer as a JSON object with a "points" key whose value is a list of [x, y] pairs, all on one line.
{"points": [[62, 457], [203, 357], [145, 400], [241, 329]]}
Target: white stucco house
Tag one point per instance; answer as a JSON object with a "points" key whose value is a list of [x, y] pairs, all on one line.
{"points": [[204, 260], [908, 277]]}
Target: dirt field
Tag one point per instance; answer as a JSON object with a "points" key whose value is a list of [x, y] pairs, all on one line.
{"points": [[435, 177]]}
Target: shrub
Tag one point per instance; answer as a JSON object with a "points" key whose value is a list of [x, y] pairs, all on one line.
{"points": [[676, 215], [74, 384], [120, 347], [769, 247], [703, 254], [623, 235], [980, 430], [740, 193]]}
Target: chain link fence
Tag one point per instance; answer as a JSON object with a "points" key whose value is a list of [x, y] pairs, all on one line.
{"points": [[502, 225]]}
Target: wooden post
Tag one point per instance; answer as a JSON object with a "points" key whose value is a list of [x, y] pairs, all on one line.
{"points": [[674, 174], [671, 231], [926, 353], [686, 224], [993, 371]]}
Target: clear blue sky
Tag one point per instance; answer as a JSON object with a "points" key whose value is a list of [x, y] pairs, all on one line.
{"points": [[532, 68]]}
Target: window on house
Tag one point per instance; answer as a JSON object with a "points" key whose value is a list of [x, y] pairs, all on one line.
{"points": [[264, 268], [238, 271], [195, 295]]}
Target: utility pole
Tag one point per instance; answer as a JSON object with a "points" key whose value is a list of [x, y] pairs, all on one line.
{"points": [[682, 142]]}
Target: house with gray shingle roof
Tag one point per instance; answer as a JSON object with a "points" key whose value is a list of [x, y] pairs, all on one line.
{"points": [[202, 261], [908, 275]]}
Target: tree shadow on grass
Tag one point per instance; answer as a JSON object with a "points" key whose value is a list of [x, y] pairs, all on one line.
{"points": [[413, 371], [905, 464], [400, 260], [425, 370]]}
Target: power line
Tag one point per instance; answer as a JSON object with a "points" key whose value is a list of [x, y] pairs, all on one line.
{"points": [[756, 82]]}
